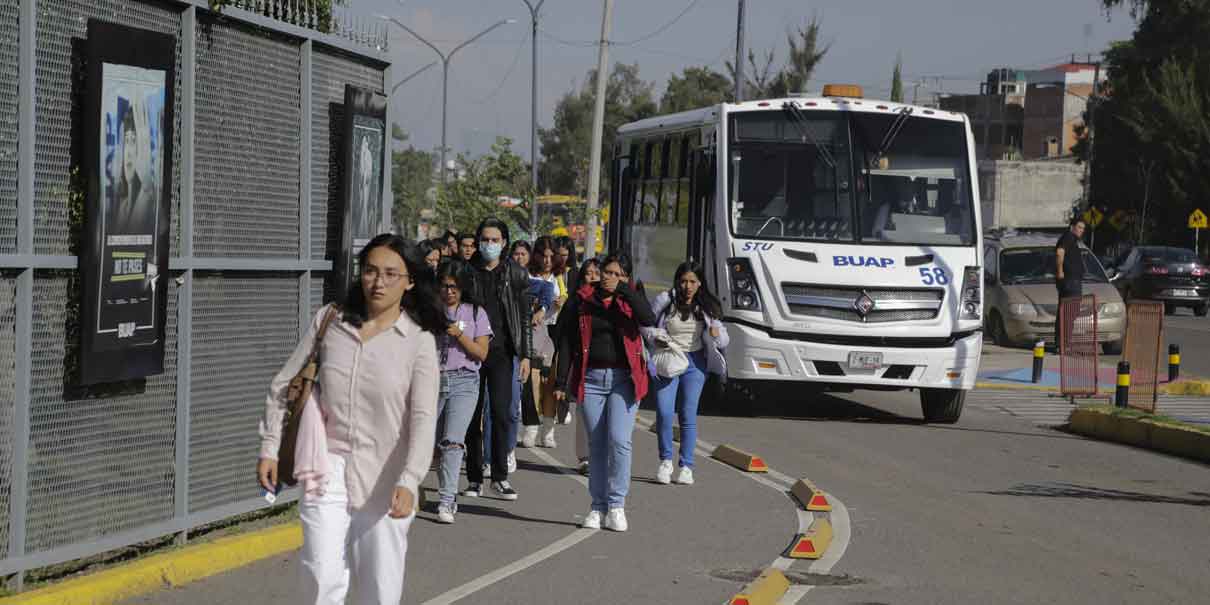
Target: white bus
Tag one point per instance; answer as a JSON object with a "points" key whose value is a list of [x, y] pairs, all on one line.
{"points": [[842, 235]]}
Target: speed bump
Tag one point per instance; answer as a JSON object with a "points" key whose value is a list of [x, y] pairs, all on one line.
{"points": [[812, 544], [676, 431], [740, 459], [811, 497], [767, 588]]}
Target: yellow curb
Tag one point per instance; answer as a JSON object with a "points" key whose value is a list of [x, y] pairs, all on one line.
{"points": [[1144, 433], [175, 568], [1191, 387], [740, 459], [810, 497], [766, 589], [812, 544]]}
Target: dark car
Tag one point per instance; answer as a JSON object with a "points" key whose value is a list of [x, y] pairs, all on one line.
{"points": [[1172, 275]]}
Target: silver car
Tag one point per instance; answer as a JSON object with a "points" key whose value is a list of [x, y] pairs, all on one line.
{"points": [[1021, 301]]}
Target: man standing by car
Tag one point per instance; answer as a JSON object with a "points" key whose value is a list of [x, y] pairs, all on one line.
{"points": [[1069, 273]]}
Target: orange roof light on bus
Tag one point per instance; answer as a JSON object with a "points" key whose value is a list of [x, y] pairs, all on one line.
{"points": [[851, 91]]}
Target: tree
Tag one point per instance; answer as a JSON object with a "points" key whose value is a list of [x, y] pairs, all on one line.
{"points": [[806, 53], [897, 80], [758, 79], [481, 184], [411, 178], [695, 87], [566, 145]]}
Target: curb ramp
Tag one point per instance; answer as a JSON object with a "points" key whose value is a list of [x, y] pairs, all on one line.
{"points": [[740, 459], [766, 589], [810, 497], [812, 544]]}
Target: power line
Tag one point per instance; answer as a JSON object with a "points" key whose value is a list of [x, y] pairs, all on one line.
{"points": [[509, 72], [662, 28], [564, 42]]}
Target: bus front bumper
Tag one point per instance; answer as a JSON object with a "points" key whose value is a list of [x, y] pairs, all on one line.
{"points": [[754, 354]]}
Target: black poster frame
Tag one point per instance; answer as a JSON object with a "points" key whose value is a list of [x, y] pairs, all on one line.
{"points": [[125, 46], [369, 104]]}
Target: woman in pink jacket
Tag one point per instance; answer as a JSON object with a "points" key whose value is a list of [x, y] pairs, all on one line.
{"points": [[379, 381]]}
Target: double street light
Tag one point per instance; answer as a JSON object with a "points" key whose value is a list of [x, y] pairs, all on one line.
{"points": [[445, 73]]}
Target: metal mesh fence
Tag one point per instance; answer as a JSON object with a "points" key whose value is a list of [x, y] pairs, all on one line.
{"points": [[101, 462], [1078, 346], [61, 23], [331, 72], [244, 329], [8, 378], [317, 293], [1144, 339], [247, 136], [8, 127]]}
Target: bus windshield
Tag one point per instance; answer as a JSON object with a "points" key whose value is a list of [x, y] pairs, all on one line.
{"points": [[850, 176]]}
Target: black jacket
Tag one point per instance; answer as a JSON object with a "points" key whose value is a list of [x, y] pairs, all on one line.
{"points": [[515, 300]]}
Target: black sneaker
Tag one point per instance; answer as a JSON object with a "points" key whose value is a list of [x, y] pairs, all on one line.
{"points": [[473, 490], [504, 491]]}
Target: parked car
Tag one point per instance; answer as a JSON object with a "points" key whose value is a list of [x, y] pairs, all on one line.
{"points": [[1021, 301], [1172, 275]]}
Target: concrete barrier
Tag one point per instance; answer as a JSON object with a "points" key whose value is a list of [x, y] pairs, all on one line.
{"points": [[1141, 432], [812, 544], [810, 497], [740, 459], [766, 589]]}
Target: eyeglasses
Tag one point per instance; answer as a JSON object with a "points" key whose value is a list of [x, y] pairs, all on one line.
{"points": [[389, 277], [449, 286]]}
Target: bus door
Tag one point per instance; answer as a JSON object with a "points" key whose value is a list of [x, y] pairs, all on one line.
{"points": [[701, 206], [620, 203]]}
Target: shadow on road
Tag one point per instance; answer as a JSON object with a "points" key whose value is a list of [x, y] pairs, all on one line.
{"points": [[487, 511], [1072, 490]]}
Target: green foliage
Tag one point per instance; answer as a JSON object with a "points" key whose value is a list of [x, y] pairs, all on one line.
{"points": [[411, 179], [566, 146], [695, 87], [806, 53], [897, 80], [475, 194]]}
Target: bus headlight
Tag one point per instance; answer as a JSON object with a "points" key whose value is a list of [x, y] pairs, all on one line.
{"points": [[972, 282], [744, 294]]}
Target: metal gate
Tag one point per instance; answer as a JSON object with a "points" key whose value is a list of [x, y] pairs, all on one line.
{"points": [[1078, 346], [1144, 338]]}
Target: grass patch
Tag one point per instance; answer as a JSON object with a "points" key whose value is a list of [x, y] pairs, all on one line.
{"points": [[1154, 418]]}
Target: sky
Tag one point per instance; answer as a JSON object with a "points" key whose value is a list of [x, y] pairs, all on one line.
{"points": [[948, 45]]}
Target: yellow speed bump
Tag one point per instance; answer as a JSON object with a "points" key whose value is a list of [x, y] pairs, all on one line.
{"points": [[811, 497], [740, 459], [812, 544], [767, 588]]}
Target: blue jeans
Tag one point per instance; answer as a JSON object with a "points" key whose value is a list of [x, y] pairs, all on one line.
{"points": [[455, 406], [510, 440], [608, 412], [680, 395]]}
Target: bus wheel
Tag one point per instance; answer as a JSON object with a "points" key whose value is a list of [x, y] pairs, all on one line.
{"points": [[942, 406]]}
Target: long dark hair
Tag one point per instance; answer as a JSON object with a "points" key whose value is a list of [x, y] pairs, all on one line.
{"points": [[591, 262], [463, 275], [622, 258], [565, 242], [420, 302], [520, 244], [705, 303], [541, 245]]}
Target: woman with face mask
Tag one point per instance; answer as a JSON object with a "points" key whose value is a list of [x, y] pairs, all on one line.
{"points": [[379, 377]]}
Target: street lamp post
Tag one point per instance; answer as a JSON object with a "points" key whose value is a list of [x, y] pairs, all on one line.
{"points": [[533, 120], [410, 76], [445, 72]]}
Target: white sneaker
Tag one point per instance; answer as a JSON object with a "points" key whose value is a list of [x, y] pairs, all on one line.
{"points": [[592, 520], [685, 477], [512, 462], [487, 470], [548, 433], [445, 514], [616, 520], [529, 436], [664, 473]]}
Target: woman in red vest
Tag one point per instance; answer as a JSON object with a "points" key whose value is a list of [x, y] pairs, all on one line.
{"points": [[601, 365]]}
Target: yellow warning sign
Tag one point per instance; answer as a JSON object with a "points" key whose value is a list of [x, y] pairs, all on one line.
{"points": [[1118, 219], [1197, 220], [1093, 216]]}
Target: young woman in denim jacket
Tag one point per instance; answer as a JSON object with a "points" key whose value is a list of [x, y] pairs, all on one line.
{"points": [[688, 317], [462, 350]]}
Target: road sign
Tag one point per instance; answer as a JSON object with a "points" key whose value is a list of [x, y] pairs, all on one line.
{"points": [[1197, 220], [1093, 216], [1118, 219]]}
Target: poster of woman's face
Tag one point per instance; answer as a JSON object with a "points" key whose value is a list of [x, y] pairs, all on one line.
{"points": [[131, 170], [368, 133]]}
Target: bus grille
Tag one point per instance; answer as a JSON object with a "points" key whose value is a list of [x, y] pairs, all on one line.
{"points": [[890, 304]]}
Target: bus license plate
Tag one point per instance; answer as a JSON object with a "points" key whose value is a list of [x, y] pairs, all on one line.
{"points": [[865, 360]]}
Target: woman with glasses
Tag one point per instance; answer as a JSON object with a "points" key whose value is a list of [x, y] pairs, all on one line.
{"points": [[606, 373], [462, 350], [379, 373]]}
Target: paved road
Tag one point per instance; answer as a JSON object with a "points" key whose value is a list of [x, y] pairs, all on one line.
{"points": [[1193, 336], [993, 509]]}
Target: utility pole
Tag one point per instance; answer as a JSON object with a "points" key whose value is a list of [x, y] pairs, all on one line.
{"points": [[598, 128], [739, 54], [533, 118]]}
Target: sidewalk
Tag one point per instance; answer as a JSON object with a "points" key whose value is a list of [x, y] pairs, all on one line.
{"points": [[1011, 368]]}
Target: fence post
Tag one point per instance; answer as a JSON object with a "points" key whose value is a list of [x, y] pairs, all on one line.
{"points": [[1039, 357], [1174, 362], [1122, 396]]}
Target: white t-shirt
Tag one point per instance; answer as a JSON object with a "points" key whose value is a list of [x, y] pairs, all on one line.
{"points": [[687, 334]]}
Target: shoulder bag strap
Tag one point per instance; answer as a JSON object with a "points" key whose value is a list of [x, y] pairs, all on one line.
{"points": [[333, 311]]}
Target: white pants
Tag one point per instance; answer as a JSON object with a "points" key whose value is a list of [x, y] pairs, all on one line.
{"points": [[339, 543]]}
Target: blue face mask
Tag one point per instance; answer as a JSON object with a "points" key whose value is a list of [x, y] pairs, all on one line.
{"points": [[490, 252]]}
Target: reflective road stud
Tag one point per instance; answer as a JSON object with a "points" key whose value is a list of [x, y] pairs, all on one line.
{"points": [[812, 544], [1039, 353], [767, 588], [1122, 397], [1174, 362], [740, 459], [812, 498]]}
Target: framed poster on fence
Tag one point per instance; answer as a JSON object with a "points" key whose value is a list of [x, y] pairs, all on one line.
{"points": [[364, 156], [128, 165]]}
